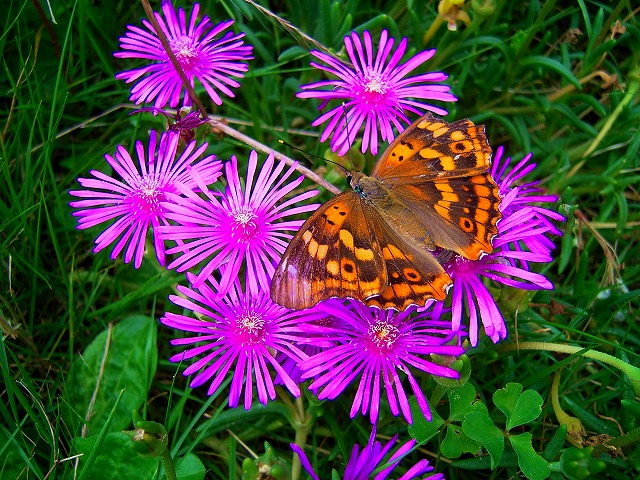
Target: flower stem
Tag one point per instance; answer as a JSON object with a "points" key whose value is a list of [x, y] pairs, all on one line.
{"points": [[575, 429], [629, 370], [302, 424], [152, 440], [435, 25], [167, 463]]}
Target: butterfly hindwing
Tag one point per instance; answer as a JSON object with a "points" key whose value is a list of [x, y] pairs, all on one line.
{"points": [[334, 254], [432, 148], [413, 274]]}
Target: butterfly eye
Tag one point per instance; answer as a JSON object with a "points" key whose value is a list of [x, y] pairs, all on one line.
{"points": [[355, 185], [358, 189]]}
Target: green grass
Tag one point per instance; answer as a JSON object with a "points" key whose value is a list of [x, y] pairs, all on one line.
{"points": [[546, 77]]}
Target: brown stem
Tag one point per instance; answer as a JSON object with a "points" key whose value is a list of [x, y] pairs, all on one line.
{"points": [[606, 77], [47, 24]]}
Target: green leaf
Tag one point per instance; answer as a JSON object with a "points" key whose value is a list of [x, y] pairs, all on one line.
{"points": [[376, 22], [623, 214], [509, 460], [631, 406], [462, 365], [590, 101], [456, 442], [450, 446], [588, 419], [463, 401], [190, 468], [553, 448], [128, 363], [292, 53], [547, 63], [574, 119], [91, 457], [567, 208], [421, 429], [115, 460], [519, 407], [532, 464], [478, 426], [12, 464]]}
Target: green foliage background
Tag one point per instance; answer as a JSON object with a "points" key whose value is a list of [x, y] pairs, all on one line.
{"points": [[557, 78]]}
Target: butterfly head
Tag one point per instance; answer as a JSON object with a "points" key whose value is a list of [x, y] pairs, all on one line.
{"points": [[354, 181]]}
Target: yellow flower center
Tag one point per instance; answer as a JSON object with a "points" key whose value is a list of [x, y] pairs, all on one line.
{"points": [[250, 327], [185, 51], [383, 334]]}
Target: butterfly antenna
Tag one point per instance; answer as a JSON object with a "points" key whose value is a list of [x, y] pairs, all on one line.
{"points": [[307, 155]]}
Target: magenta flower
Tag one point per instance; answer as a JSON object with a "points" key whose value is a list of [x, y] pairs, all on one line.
{"points": [[522, 238], [135, 200], [374, 345], [374, 92], [238, 335], [361, 465], [526, 195], [202, 56], [245, 225]]}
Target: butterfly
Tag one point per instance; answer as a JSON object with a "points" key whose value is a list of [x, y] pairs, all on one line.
{"points": [[429, 190]]}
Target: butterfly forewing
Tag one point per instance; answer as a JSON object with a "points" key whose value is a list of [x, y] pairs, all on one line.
{"points": [[432, 148], [334, 254], [460, 214]]}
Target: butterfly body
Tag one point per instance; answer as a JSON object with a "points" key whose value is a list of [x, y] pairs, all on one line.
{"points": [[430, 189], [381, 197]]}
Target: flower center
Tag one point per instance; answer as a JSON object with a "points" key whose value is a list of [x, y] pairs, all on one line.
{"points": [[250, 327], [383, 335], [244, 226], [373, 89], [184, 48], [145, 199], [375, 83]]}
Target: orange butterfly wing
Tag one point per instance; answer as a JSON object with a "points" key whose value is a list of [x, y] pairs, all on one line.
{"points": [[414, 276], [432, 148], [345, 249], [438, 171], [334, 254]]}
